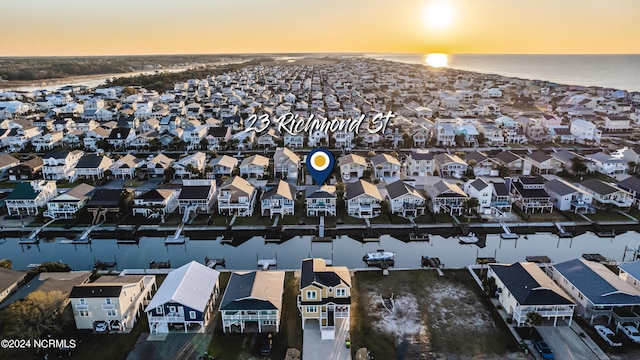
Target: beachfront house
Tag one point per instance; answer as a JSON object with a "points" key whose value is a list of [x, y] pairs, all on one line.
{"points": [[362, 199], [279, 198], [29, 197], [321, 201], [237, 196], [185, 302], [325, 296], [110, 299], [352, 167], [596, 290], [445, 197], [523, 288], [529, 195], [67, 205], [252, 302], [404, 200]]}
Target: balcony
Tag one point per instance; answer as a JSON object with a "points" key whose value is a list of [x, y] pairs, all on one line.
{"points": [[168, 318], [80, 307], [257, 317], [108, 307]]}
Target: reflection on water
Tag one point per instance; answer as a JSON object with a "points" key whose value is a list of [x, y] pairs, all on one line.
{"points": [[343, 251]]}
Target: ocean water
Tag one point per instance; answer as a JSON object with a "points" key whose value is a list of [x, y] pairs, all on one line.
{"points": [[611, 71]]}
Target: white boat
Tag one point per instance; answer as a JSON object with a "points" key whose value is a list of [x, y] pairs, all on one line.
{"points": [[378, 256], [469, 239]]}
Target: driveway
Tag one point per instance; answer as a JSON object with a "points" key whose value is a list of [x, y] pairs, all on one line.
{"points": [[313, 348], [566, 344], [170, 346]]}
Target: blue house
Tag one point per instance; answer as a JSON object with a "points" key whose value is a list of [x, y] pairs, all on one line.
{"points": [[185, 301]]}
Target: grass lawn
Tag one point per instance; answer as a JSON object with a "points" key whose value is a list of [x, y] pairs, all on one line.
{"points": [[243, 346], [424, 219], [457, 318], [389, 219], [219, 220], [443, 219], [554, 216], [571, 216], [343, 218], [133, 183], [607, 216], [256, 219]]}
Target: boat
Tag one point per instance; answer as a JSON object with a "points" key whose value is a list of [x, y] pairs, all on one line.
{"points": [[378, 256], [469, 239]]}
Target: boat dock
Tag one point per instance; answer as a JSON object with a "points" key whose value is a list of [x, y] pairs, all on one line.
{"points": [[160, 264], [432, 262], [371, 239], [507, 234], [543, 259], [76, 241], [177, 238], [127, 241], [29, 241], [419, 236], [562, 232], [213, 263], [104, 265], [265, 264]]}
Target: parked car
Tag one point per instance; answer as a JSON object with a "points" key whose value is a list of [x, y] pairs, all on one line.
{"points": [[544, 350], [265, 345], [607, 335], [101, 326], [631, 331]]}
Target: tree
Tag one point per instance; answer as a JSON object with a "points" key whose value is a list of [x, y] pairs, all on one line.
{"points": [[204, 144], [534, 318], [371, 154], [384, 207], [578, 166], [471, 205], [340, 189], [460, 140], [481, 139], [39, 314], [503, 171], [6, 264], [631, 167], [108, 174], [169, 173], [407, 140], [53, 266]]}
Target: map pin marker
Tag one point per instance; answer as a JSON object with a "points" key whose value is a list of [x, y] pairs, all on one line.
{"points": [[320, 163]]}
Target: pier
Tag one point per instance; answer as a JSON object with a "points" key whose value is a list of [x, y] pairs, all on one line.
{"points": [[562, 232], [177, 238], [265, 264], [507, 234], [213, 263]]}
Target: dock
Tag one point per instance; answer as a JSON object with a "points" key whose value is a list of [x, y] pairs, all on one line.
{"points": [[104, 265], [127, 241], [371, 239], [562, 233], [77, 241], [160, 264], [419, 237], [595, 258], [542, 259], [321, 239], [177, 238], [226, 240], [606, 234], [507, 234], [265, 264], [29, 241], [485, 260], [213, 263], [273, 240], [33, 266]]}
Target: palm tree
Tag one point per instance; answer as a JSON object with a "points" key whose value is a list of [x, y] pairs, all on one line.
{"points": [[471, 205]]}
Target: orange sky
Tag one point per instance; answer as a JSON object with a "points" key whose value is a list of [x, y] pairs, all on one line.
{"points": [[118, 27]]}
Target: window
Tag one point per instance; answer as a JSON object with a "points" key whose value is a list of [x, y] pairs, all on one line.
{"points": [[312, 309], [341, 292], [159, 310], [311, 294], [82, 301], [83, 313], [192, 314], [111, 313], [107, 301], [172, 309]]}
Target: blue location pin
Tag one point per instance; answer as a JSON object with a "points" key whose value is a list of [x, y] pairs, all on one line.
{"points": [[320, 163]]}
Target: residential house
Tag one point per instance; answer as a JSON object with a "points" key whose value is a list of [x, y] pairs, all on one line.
{"points": [[217, 136], [185, 301], [386, 167], [420, 163], [523, 288], [631, 185], [446, 197], [500, 199], [493, 135], [193, 136], [596, 290], [450, 165], [7, 162], [630, 272], [67, 205], [352, 167], [321, 201], [481, 190], [156, 203], [293, 141], [158, 165], [513, 163], [445, 136], [121, 137], [562, 135], [191, 165], [197, 196], [279, 198], [110, 299], [28, 197], [61, 166], [237, 196], [254, 167], [606, 195], [481, 164], [542, 163], [285, 164], [529, 194], [27, 170], [48, 281], [93, 137], [616, 124], [585, 132], [223, 166], [252, 302], [608, 164], [362, 199], [9, 281], [325, 296], [568, 197], [108, 201], [404, 200], [92, 166], [47, 141], [126, 166]]}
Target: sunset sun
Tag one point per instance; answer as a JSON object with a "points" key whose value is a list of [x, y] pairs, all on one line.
{"points": [[439, 14]]}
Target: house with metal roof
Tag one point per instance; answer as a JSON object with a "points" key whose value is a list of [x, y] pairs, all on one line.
{"points": [[597, 290], [523, 288], [325, 295], [630, 272], [114, 300], [321, 200], [529, 194], [92, 166], [252, 302], [362, 199], [632, 185], [446, 197], [185, 301], [237, 196], [405, 200], [279, 198], [28, 197], [197, 195], [66, 205], [352, 167]]}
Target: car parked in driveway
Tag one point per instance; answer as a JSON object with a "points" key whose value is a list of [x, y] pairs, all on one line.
{"points": [[544, 350], [607, 335], [631, 331], [101, 326]]}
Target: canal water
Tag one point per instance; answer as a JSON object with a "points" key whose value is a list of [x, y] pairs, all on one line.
{"points": [[343, 251]]}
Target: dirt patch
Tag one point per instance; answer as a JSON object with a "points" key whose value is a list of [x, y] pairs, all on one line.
{"points": [[433, 317]]}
